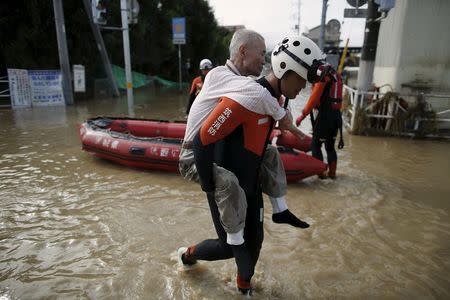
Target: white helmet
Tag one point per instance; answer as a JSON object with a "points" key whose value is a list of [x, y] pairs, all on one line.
{"points": [[205, 64], [299, 54]]}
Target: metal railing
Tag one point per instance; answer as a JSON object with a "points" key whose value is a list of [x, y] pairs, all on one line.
{"points": [[5, 92], [358, 102]]}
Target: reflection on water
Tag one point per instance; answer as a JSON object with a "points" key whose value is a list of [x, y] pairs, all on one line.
{"points": [[73, 226]]}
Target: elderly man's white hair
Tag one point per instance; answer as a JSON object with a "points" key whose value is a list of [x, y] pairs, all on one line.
{"points": [[243, 37]]}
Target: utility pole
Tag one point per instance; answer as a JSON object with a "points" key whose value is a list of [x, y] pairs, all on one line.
{"points": [[322, 24], [299, 14], [127, 58], [369, 49], [297, 22], [179, 38], [102, 49], [62, 51], [179, 68]]}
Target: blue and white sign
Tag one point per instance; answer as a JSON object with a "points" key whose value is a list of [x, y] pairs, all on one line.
{"points": [[35, 88], [46, 87], [179, 31]]}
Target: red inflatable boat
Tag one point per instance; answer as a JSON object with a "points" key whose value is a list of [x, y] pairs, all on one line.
{"points": [[155, 145], [158, 128]]}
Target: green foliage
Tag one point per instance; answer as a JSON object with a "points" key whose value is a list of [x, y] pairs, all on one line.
{"points": [[28, 34]]}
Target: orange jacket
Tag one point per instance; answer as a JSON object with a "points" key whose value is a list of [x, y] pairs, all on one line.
{"points": [[196, 85]]}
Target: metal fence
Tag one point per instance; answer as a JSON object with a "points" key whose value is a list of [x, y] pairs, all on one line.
{"points": [[4, 92], [363, 103]]}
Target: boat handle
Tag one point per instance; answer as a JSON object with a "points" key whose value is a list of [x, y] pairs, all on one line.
{"points": [[137, 150]]}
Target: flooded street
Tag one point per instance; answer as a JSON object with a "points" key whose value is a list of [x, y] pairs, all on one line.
{"points": [[74, 226]]}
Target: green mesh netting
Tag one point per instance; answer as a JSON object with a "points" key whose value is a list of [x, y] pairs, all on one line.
{"points": [[140, 79]]}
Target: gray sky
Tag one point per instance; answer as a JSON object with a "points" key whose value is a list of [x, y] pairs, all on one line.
{"points": [[275, 19]]}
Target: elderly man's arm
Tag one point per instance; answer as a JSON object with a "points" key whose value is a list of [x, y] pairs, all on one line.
{"points": [[253, 96]]}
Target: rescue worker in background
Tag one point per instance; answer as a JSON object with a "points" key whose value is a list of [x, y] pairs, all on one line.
{"points": [[326, 99], [196, 86], [244, 135]]}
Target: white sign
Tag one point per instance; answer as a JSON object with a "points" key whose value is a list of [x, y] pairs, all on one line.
{"points": [[133, 11], [79, 81], [19, 88], [355, 13], [46, 87]]}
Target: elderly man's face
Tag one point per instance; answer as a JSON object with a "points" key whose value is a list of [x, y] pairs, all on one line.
{"points": [[254, 58]]}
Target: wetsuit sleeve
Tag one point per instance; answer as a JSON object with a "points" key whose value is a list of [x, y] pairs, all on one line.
{"points": [[314, 99], [204, 159], [223, 120]]}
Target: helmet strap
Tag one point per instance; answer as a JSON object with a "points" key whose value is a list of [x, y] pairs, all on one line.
{"points": [[279, 86]]}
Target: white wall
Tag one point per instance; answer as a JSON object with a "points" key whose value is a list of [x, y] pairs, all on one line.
{"points": [[414, 45]]}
